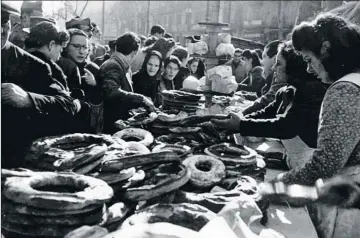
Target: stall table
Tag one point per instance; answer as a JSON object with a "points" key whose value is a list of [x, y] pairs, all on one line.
{"points": [[292, 222]]}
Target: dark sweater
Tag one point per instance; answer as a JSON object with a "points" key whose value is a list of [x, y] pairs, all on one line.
{"points": [[295, 111], [180, 77]]}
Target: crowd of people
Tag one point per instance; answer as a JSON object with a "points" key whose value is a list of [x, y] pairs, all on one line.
{"points": [[307, 91]]}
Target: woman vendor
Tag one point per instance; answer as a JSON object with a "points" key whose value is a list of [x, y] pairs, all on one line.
{"points": [[331, 46], [293, 115]]}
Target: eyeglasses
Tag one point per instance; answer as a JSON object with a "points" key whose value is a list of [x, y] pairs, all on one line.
{"points": [[79, 47]]}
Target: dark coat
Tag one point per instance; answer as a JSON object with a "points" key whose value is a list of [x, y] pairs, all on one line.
{"points": [[117, 91], [101, 59], [35, 77], [71, 71], [53, 107], [146, 85], [56, 71], [78, 86], [294, 112], [254, 82], [180, 77]]}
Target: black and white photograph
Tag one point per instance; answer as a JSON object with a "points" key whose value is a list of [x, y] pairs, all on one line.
{"points": [[180, 119]]}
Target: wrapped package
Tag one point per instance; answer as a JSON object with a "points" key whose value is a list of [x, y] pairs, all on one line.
{"points": [[224, 38], [226, 85], [222, 70], [224, 49], [200, 48], [191, 83]]}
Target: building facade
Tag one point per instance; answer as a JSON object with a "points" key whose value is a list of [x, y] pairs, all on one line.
{"points": [[261, 21]]}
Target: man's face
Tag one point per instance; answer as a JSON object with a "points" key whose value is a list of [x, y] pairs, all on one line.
{"points": [[237, 57], [78, 48], [159, 35], [171, 70], [5, 28], [267, 62]]}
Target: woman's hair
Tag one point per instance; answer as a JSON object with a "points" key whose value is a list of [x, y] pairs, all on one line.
{"points": [[147, 58], [344, 37], [43, 33], [250, 54], [296, 67], [272, 48], [172, 59], [200, 71], [180, 52]]}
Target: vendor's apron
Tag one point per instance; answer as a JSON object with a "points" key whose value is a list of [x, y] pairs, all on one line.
{"points": [[297, 152], [333, 221]]}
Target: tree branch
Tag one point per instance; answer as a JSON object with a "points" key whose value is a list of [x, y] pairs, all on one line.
{"points": [[84, 8]]}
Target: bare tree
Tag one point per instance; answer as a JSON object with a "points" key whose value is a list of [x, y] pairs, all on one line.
{"points": [[298, 13], [84, 8]]}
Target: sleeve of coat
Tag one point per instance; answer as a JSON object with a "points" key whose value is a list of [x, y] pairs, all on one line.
{"points": [[51, 96], [264, 100], [112, 89], [266, 122]]}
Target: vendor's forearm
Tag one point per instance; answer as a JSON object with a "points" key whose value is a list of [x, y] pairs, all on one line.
{"points": [[280, 128]]}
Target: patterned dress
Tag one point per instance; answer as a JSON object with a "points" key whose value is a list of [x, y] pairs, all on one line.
{"points": [[337, 153], [338, 143]]}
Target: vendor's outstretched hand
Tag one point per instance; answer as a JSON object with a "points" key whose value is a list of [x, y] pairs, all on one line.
{"points": [[148, 104], [232, 124]]}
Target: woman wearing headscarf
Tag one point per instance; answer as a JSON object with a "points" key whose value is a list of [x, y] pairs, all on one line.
{"points": [[146, 81]]}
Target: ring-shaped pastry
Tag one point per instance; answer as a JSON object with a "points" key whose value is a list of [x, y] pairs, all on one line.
{"points": [[135, 134], [33, 191], [205, 170]]}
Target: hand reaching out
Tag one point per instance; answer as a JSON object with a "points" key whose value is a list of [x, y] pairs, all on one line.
{"points": [[232, 124]]}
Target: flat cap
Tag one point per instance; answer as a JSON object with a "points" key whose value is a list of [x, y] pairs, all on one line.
{"points": [[9, 8], [27, 6], [75, 22]]}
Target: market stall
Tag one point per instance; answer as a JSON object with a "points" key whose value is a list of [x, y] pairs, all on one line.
{"points": [[171, 166]]}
